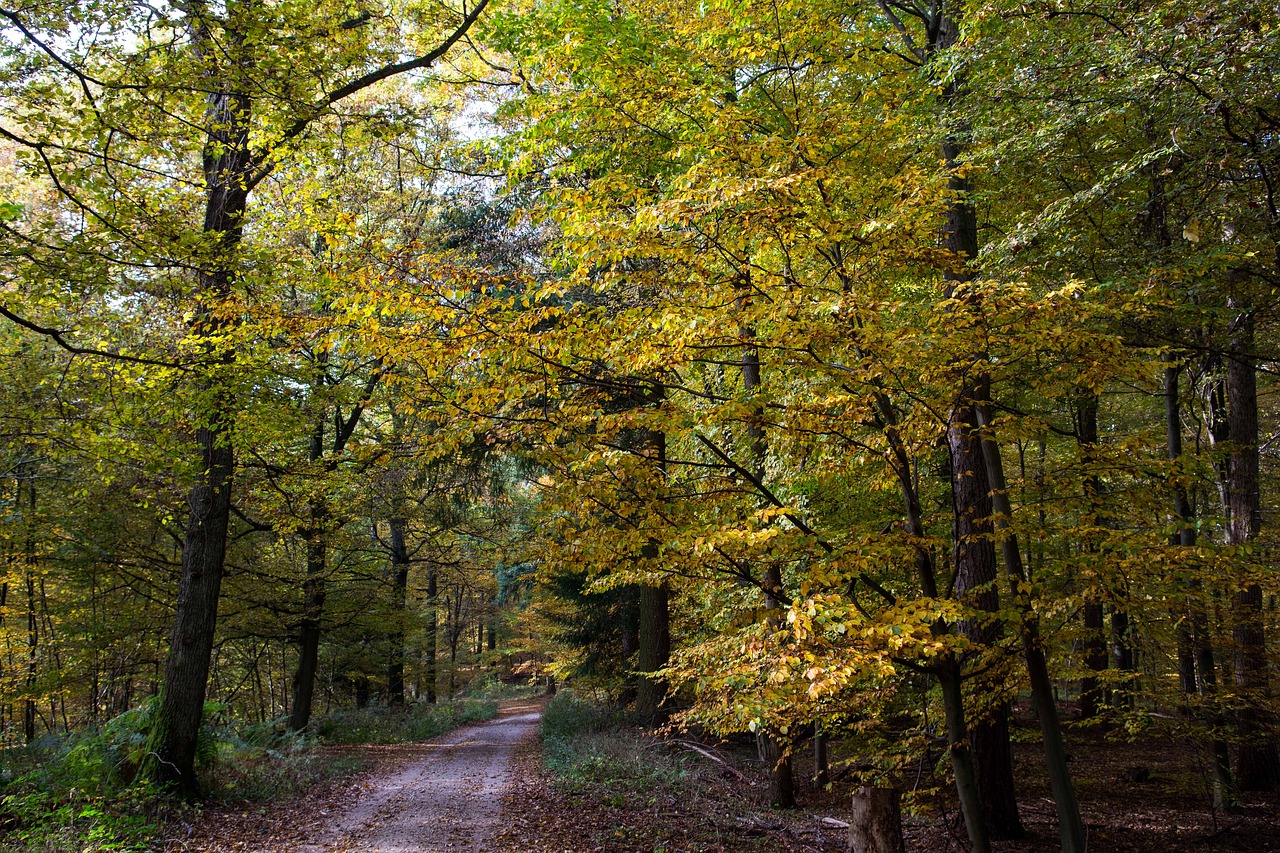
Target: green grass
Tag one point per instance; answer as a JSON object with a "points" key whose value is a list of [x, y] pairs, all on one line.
{"points": [[590, 745]]}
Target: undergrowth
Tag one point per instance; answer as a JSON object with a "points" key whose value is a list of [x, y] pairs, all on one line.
{"points": [[492, 687], [78, 793], [402, 725], [588, 744]]}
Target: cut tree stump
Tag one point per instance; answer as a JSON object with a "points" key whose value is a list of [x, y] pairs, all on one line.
{"points": [[876, 822]]}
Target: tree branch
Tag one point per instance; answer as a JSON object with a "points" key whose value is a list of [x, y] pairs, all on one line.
{"points": [[58, 336], [360, 83]]}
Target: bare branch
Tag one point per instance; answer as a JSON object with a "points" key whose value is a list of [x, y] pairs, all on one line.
{"points": [[58, 336]]}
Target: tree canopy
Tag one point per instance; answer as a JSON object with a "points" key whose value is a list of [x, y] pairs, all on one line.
{"points": [[777, 367]]}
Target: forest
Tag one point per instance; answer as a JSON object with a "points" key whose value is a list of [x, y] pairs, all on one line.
{"points": [[887, 385]]}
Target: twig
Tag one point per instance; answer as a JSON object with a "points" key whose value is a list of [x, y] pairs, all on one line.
{"points": [[1220, 831], [717, 759]]}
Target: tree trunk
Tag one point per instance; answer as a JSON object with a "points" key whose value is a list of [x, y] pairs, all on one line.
{"points": [[33, 622], [963, 767], [782, 790], [1070, 826], [313, 598], [821, 760], [170, 761], [1095, 649], [975, 585], [654, 614], [782, 783], [654, 651], [1207, 687], [993, 770], [1123, 657], [1258, 762], [875, 822], [782, 786], [948, 670], [1095, 658], [399, 590], [430, 637]]}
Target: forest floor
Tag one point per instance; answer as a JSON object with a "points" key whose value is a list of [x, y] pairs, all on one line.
{"points": [[1168, 811], [484, 788], [722, 807], [440, 795]]}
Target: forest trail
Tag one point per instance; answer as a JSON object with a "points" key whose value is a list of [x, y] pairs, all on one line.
{"points": [[442, 796], [447, 798]]}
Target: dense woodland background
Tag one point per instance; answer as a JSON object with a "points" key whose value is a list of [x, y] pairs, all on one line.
{"points": [[841, 368]]}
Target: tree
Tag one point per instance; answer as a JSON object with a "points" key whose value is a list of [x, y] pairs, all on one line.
{"points": [[673, 230], [214, 63], [1164, 175]]}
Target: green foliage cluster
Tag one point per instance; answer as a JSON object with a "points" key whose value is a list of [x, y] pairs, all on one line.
{"points": [[44, 822], [491, 688], [103, 761]]}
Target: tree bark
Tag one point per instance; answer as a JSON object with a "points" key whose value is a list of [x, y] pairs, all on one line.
{"points": [[399, 591], [227, 164], [994, 784], [1095, 652], [963, 767], [782, 786], [821, 760], [975, 585], [1123, 658], [655, 617], [170, 762], [313, 597], [430, 636], [33, 623], [948, 669], [1258, 761], [1070, 826], [875, 822], [654, 651], [1095, 659]]}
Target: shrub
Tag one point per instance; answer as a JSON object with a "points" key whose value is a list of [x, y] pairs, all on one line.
{"points": [[567, 717], [77, 794], [492, 687]]}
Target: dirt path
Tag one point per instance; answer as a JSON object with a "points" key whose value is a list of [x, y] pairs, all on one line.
{"points": [[447, 799], [436, 797]]}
